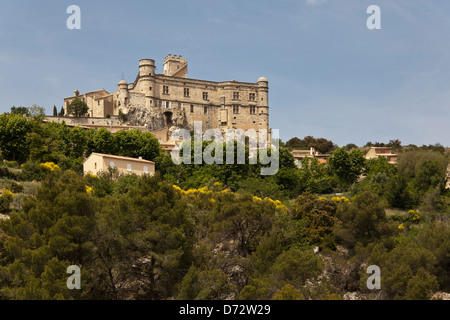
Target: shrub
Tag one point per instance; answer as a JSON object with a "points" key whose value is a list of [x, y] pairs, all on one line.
{"points": [[6, 173], [15, 187], [32, 171], [11, 164], [5, 200]]}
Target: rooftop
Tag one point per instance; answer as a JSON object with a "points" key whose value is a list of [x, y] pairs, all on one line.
{"points": [[110, 156]]}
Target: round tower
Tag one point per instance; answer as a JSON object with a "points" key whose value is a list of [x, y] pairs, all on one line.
{"points": [[123, 94], [263, 102], [146, 67]]}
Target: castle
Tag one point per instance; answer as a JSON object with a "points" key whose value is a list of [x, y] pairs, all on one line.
{"points": [[164, 102]]}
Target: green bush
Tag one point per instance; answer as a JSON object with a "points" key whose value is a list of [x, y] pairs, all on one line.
{"points": [[15, 187], [6, 173], [32, 171], [11, 164]]}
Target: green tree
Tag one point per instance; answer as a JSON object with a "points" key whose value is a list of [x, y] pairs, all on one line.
{"points": [[242, 219], [205, 285], [135, 143], [421, 286], [55, 111], [20, 110], [315, 220], [347, 165], [363, 220], [78, 108], [14, 141]]}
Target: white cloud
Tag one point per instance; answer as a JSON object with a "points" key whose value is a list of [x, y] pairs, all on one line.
{"points": [[315, 2]]}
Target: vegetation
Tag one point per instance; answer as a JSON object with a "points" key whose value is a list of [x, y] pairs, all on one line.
{"points": [[322, 145], [78, 108], [208, 231]]}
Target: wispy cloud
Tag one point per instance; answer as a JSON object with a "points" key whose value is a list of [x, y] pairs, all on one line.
{"points": [[315, 2]]}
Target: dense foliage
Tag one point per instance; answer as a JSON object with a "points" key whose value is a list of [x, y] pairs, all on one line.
{"points": [[208, 231]]}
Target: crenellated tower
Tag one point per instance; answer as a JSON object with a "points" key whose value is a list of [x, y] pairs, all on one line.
{"points": [[175, 66]]}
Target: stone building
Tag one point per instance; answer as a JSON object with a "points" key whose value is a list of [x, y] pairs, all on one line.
{"points": [[172, 100]]}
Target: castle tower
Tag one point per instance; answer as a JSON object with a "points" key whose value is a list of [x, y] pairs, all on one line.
{"points": [[263, 102], [123, 96], [146, 67], [175, 66]]}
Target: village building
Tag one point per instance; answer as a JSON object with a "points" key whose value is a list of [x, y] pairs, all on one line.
{"points": [[98, 162], [299, 155], [375, 152]]}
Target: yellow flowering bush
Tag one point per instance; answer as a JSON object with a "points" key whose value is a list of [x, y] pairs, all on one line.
{"points": [[7, 194], [50, 166], [205, 193], [89, 190], [340, 199]]}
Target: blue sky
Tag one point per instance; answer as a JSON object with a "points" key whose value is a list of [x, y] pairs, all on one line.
{"points": [[329, 76]]}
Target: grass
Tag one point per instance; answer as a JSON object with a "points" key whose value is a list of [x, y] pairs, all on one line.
{"points": [[396, 212]]}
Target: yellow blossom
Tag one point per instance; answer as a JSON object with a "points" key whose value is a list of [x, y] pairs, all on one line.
{"points": [[89, 190], [50, 166], [7, 194], [401, 227]]}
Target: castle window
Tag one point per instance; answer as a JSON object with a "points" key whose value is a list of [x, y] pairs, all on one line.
{"points": [[179, 106], [167, 103], [205, 95], [251, 96], [205, 110], [150, 88], [160, 104], [98, 102], [235, 109], [165, 89], [186, 92], [128, 167], [192, 108], [145, 169], [235, 95], [111, 164], [252, 110]]}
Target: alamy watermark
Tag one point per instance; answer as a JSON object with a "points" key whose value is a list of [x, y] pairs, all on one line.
{"points": [[74, 281], [374, 21], [74, 21], [258, 144], [374, 281]]}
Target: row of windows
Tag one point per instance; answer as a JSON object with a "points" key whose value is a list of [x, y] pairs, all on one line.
{"points": [[236, 95], [129, 169], [168, 105]]}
